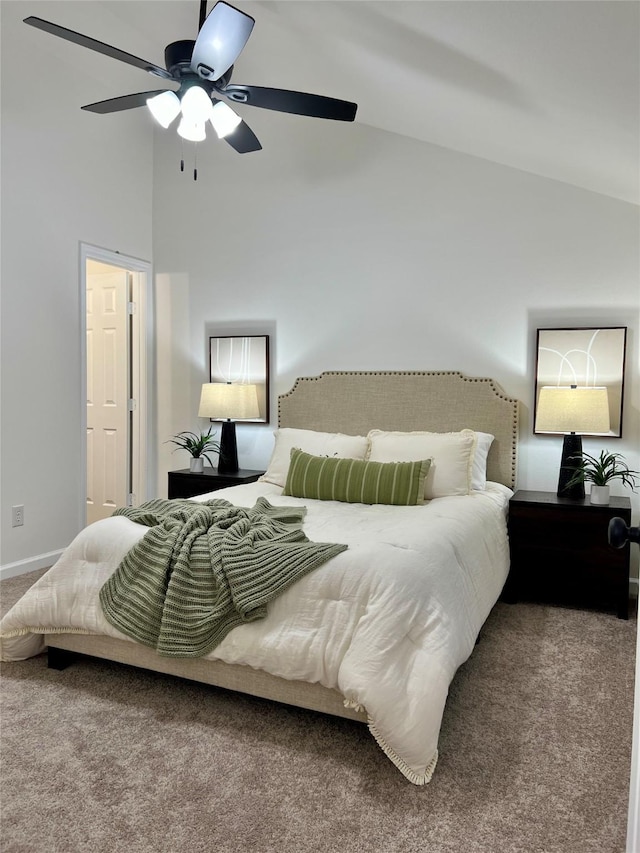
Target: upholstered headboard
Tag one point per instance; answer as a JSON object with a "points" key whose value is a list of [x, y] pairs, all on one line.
{"points": [[354, 402]]}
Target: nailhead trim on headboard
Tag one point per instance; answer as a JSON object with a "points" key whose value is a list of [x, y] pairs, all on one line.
{"points": [[510, 430]]}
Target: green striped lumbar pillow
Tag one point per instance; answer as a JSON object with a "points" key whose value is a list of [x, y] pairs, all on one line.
{"points": [[326, 478]]}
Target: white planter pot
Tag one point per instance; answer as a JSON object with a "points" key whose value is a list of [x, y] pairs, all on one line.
{"points": [[196, 466], [599, 495]]}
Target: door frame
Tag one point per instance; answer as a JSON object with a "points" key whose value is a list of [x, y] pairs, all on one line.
{"points": [[141, 366]]}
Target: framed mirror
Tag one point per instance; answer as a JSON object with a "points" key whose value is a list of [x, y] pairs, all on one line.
{"points": [[240, 358], [585, 359]]}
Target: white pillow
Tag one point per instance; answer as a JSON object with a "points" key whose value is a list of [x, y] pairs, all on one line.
{"points": [[479, 469], [317, 443], [451, 454]]}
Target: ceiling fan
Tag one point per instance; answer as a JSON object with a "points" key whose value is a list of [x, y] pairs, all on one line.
{"points": [[202, 69]]}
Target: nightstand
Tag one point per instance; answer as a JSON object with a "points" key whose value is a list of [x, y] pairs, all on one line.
{"points": [[560, 552], [185, 484]]}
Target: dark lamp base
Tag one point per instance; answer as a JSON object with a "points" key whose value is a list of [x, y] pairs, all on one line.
{"points": [[572, 446], [228, 457]]}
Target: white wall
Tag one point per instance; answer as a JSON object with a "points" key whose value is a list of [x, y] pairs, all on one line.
{"points": [[67, 176], [359, 249]]}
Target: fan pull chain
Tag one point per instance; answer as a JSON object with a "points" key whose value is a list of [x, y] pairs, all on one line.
{"points": [[195, 159]]}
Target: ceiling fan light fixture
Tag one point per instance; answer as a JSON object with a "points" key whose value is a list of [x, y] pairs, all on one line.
{"points": [[164, 108], [192, 131], [200, 71], [224, 119], [196, 105]]}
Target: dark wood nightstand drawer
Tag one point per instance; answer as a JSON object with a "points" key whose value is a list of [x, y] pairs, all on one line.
{"points": [[560, 552], [185, 484], [566, 531]]}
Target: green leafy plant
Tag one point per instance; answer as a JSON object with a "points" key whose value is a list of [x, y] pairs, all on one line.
{"points": [[601, 470], [196, 444]]}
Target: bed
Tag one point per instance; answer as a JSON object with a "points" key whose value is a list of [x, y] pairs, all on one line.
{"points": [[375, 634]]}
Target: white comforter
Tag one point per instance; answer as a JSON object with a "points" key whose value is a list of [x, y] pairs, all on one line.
{"points": [[387, 622]]}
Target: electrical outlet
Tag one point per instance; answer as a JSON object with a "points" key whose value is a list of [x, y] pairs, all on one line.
{"points": [[17, 515]]}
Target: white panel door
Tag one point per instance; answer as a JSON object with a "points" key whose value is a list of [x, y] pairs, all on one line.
{"points": [[107, 390]]}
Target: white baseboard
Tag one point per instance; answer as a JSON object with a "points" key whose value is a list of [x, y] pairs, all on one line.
{"points": [[32, 564]]}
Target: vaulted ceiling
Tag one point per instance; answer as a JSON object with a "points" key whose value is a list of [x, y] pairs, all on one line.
{"points": [[548, 86]]}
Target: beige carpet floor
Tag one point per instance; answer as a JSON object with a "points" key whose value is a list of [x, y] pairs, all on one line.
{"points": [[535, 755]]}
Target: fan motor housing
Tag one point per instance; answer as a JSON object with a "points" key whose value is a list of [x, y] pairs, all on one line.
{"points": [[177, 57]]}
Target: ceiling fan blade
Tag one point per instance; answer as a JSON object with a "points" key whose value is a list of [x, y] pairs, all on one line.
{"points": [[99, 46], [286, 101], [124, 102], [220, 41], [243, 139]]}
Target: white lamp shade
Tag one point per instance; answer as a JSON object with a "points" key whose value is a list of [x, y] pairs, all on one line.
{"points": [[224, 119], [191, 132], [566, 409], [227, 401], [164, 108], [196, 105]]}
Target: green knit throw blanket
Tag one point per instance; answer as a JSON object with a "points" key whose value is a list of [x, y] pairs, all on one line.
{"points": [[204, 568]]}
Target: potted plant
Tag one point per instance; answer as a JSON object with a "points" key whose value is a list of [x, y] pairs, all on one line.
{"points": [[197, 444], [600, 471]]}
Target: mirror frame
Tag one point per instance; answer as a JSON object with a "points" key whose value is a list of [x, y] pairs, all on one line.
{"points": [[242, 358], [585, 355]]}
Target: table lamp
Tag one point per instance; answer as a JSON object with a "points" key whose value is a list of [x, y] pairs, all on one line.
{"points": [[572, 410], [233, 402]]}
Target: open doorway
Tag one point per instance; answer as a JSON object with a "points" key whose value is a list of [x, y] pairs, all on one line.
{"points": [[114, 290]]}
